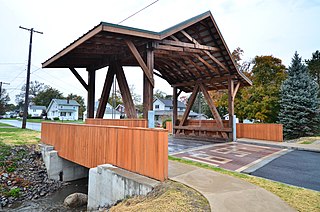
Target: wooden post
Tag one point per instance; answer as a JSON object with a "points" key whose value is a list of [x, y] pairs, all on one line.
{"points": [[91, 92], [129, 107], [175, 108], [189, 105], [231, 106], [106, 91], [147, 86]]}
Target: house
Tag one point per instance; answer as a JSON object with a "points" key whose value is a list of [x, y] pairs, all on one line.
{"points": [[64, 109], [246, 121], [109, 113], [121, 109], [36, 110], [163, 110]]}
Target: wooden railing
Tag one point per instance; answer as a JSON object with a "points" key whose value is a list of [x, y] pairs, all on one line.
{"points": [[119, 122], [202, 128], [140, 150], [271, 132]]}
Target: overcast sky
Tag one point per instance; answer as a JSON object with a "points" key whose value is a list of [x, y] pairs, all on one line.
{"points": [[259, 27]]}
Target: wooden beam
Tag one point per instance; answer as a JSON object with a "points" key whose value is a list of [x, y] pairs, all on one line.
{"points": [[197, 67], [77, 75], [139, 59], [125, 92], [190, 103], [189, 45], [216, 61], [213, 109], [205, 51], [213, 80], [91, 92], [230, 105], [209, 65], [174, 38], [105, 91], [182, 64], [235, 90]]}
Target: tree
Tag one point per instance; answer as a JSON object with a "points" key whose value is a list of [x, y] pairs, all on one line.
{"points": [[44, 97], [314, 66], [200, 106], [299, 104], [261, 100], [4, 99], [80, 100], [268, 73], [159, 94], [34, 89]]}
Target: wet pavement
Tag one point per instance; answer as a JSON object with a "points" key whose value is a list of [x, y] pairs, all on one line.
{"points": [[232, 156], [176, 145]]}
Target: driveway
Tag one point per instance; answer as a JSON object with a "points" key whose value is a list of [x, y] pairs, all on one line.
{"points": [[16, 123], [299, 168]]}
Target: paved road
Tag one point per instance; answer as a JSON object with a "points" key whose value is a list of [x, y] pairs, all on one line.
{"points": [[16, 123], [299, 168]]}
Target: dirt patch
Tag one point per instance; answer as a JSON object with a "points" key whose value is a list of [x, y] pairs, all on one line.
{"points": [[169, 196]]}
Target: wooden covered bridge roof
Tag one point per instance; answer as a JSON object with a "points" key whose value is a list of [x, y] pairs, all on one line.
{"points": [[191, 51]]}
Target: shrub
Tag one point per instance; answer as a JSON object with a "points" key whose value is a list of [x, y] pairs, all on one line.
{"points": [[164, 122]]}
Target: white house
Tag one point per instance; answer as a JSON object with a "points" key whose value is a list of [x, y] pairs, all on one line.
{"points": [[64, 109], [163, 109], [246, 121], [109, 113], [36, 110]]}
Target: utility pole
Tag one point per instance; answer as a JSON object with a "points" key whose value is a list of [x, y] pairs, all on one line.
{"points": [[2, 83], [26, 103]]}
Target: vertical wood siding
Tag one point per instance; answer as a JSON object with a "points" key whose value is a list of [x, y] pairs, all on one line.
{"points": [[119, 122], [169, 126], [140, 150], [271, 132]]}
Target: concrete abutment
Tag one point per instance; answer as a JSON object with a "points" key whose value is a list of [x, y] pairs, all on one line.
{"points": [[107, 185]]}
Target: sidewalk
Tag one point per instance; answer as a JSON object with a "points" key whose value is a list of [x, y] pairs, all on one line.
{"points": [[295, 146], [226, 193]]}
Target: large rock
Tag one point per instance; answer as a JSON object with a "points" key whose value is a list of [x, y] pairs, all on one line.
{"points": [[76, 200]]}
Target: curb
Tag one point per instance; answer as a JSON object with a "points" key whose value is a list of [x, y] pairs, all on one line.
{"points": [[280, 146]]}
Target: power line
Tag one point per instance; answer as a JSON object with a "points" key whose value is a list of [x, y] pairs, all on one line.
{"points": [[138, 11]]}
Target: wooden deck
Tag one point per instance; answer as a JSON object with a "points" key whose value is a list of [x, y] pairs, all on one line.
{"points": [[140, 150]]}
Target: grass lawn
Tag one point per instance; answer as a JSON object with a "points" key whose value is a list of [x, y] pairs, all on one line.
{"points": [[18, 136], [308, 140], [299, 198]]}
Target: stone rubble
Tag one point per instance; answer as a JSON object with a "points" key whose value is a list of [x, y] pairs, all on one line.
{"points": [[23, 177]]}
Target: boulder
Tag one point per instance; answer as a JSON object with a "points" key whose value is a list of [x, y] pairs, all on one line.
{"points": [[75, 200]]}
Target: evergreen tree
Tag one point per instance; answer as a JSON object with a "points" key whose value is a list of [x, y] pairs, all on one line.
{"points": [[299, 104]]}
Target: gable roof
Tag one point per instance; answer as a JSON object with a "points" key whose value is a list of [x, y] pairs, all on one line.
{"points": [[183, 54], [37, 107], [168, 103], [65, 102]]}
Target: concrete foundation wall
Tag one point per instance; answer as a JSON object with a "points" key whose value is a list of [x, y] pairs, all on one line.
{"points": [[59, 168], [109, 184]]}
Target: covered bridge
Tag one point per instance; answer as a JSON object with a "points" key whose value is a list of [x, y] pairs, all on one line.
{"points": [[191, 56]]}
